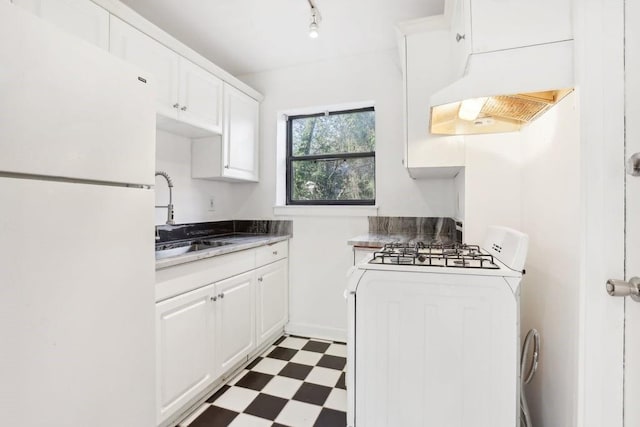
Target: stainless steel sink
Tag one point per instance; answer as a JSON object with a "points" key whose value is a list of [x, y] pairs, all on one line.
{"points": [[174, 249]]}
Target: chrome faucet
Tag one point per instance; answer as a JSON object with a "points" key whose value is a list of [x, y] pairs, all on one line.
{"points": [[168, 207]]}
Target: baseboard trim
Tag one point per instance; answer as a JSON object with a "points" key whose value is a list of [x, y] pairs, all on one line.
{"points": [[314, 331]]}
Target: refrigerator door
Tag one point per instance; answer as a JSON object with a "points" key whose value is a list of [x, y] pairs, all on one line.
{"points": [[69, 109], [76, 305]]}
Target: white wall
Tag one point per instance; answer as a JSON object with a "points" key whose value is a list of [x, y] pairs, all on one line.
{"points": [[492, 183], [551, 288], [319, 252], [190, 196]]}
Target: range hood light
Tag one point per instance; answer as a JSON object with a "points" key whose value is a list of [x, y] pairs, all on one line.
{"points": [[470, 108], [503, 90]]}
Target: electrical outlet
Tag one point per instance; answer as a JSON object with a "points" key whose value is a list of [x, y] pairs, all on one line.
{"points": [[212, 204]]}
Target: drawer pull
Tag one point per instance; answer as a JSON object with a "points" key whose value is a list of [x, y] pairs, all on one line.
{"points": [[214, 298], [275, 252], [259, 279], [221, 295]]}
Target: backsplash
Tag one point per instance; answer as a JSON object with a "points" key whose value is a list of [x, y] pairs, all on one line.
{"points": [[168, 233], [426, 229]]}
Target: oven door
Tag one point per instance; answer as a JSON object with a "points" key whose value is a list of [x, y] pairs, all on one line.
{"points": [[436, 349]]}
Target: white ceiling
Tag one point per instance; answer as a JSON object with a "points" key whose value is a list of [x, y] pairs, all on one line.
{"points": [[245, 36]]}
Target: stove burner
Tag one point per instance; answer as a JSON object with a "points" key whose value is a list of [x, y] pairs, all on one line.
{"points": [[434, 255]]}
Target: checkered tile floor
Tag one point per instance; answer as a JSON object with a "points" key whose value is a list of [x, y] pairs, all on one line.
{"points": [[297, 382]]}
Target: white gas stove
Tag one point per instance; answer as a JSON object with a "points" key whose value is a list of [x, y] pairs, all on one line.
{"points": [[434, 334]]}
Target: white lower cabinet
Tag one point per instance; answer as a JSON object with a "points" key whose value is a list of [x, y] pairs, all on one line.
{"points": [[205, 332], [271, 299], [185, 360], [235, 314]]}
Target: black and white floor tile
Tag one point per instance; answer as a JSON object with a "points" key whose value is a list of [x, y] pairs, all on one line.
{"points": [[297, 382]]}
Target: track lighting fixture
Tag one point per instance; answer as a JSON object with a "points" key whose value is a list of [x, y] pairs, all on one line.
{"points": [[315, 20]]}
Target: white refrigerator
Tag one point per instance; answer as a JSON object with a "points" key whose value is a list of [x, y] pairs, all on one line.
{"points": [[77, 145]]}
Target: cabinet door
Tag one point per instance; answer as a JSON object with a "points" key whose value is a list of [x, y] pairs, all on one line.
{"points": [[185, 333], [81, 18], [236, 331], [505, 24], [460, 38], [161, 62], [200, 97], [272, 298], [240, 135]]}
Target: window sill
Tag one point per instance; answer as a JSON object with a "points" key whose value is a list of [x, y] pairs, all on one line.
{"points": [[325, 210]]}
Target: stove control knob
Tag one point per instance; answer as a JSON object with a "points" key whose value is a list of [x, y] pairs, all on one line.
{"points": [[422, 258]]}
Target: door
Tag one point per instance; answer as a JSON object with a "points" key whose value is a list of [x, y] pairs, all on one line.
{"points": [[240, 135], [271, 299], [632, 238], [470, 378], [70, 110], [200, 97], [162, 63], [76, 304], [236, 322], [185, 333]]}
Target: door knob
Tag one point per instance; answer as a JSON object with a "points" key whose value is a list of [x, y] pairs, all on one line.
{"points": [[620, 288], [633, 165]]}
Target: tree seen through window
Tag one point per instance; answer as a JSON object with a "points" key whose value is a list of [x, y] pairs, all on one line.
{"points": [[331, 158]]}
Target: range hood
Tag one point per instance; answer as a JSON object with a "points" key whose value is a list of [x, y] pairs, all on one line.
{"points": [[502, 91]]}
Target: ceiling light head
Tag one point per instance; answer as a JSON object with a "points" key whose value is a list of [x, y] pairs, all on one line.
{"points": [[313, 30], [315, 20]]}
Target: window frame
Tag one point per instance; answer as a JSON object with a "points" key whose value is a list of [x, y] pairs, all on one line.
{"points": [[290, 158]]}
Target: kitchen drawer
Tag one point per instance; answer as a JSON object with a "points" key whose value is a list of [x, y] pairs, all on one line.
{"points": [[273, 252], [186, 277]]}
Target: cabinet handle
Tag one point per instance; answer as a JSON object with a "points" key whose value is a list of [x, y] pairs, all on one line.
{"points": [[221, 295], [275, 252], [176, 105], [259, 279], [226, 166], [460, 37], [184, 108], [214, 298]]}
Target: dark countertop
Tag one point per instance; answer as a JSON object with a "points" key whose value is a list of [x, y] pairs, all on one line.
{"points": [[238, 234], [239, 243], [383, 230], [373, 240]]}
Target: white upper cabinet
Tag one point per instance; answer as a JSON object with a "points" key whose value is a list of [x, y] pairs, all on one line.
{"points": [[426, 155], [189, 99], [81, 18], [505, 24], [240, 135], [460, 38], [234, 155], [479, 26], [162, 63], [200, 97]]}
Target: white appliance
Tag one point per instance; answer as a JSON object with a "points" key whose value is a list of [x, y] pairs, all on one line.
{"points": [[77, 148], [433, 334]]}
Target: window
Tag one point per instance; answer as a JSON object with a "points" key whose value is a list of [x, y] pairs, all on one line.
{"points": [[331, 158]]}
